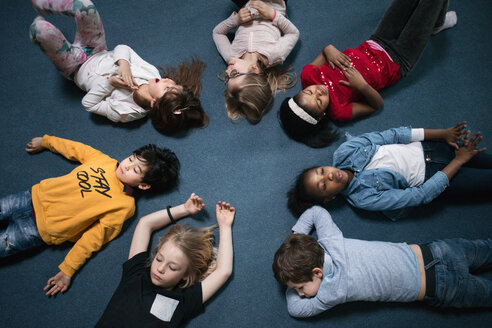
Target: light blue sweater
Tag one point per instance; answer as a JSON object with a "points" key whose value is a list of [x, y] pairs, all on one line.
{"points": [[355, 270]]}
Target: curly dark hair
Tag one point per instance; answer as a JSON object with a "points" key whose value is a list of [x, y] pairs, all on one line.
{"points": [[298, 199]]}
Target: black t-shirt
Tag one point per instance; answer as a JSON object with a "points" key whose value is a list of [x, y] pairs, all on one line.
{"points": [[137, 302]]}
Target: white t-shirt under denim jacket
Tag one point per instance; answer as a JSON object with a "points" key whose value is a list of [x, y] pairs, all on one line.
{"points": [[389, 171]]}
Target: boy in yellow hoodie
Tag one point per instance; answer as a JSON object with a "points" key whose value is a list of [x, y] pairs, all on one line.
{"points": [[88, 206]]}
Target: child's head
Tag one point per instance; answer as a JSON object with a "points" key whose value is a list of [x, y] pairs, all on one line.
{"points": [[183, 257], [316, 186], [179, 108], [250, 99], [314, 99], [150, 167], [312, 128], [252, 87], [298, 263]]}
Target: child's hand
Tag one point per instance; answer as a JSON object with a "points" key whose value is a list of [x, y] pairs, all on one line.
{"points": [[194, 204], [265, 11], [58, 283], [125, 74], [117, 82], [468, 149], [243, 16], [355, 79], [34, 146], [225, 213], [336, 58], [453, 134]]}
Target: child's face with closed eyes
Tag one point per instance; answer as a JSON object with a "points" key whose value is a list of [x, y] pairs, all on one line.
{"points": [[308, 288], [314, 99], [169, 267]]}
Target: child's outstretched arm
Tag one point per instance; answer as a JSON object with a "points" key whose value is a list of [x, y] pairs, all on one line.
{"points": [[72, 150], [225, 216], [160, 219], [35, 145]]}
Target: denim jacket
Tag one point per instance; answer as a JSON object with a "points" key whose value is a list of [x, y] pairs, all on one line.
{"points": [[383, 189]]}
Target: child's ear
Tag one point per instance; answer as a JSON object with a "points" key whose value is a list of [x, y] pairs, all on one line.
{"points": [[255, 69], [143, 186], [318, 272]]}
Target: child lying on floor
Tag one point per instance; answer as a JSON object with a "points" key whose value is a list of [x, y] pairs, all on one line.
{"points": [[334, 270], [182, 275], [87, 206], [398, 168]]}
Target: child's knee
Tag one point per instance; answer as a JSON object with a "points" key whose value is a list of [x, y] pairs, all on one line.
{"points": [[41, 31], [35, 28]]}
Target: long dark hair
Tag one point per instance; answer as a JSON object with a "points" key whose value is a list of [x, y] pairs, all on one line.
{"points": [[181, 110]]}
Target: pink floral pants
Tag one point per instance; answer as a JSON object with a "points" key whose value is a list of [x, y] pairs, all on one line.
{"points": [[89, 37]]}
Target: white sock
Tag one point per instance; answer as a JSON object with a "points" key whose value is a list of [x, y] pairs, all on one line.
{"points": [[450, 21]]}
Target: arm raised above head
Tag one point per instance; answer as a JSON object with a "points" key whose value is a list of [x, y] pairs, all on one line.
{"points": [[225, 217], [158, 220], [320, 219], [302, 307]]}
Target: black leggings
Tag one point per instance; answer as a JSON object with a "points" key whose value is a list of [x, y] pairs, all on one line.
{"points": [[406, 27]]}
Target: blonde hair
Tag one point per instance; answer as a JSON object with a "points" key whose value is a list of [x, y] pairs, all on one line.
{"points": [[197, 245], [255, 96]]}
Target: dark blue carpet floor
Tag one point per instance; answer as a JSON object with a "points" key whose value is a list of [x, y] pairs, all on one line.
{"points": [[250, 166]]}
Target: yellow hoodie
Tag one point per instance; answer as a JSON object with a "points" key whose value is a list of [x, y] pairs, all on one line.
{"points": [[88, 206]]}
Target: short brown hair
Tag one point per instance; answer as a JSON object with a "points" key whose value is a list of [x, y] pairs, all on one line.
{"points": [[295, 260]]}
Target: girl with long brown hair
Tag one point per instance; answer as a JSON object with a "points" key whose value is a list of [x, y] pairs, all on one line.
{"points": [[119, 84]]}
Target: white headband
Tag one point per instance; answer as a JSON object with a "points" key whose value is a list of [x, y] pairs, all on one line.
{"points": [[301, 112]]}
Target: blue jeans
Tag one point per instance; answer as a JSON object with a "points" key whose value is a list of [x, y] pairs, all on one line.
{"points": [[406, 27], [21, 232], [458, 263]]}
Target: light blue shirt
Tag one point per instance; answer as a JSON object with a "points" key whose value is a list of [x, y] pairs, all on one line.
{"points": [[355, 270], [382, 189]]}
